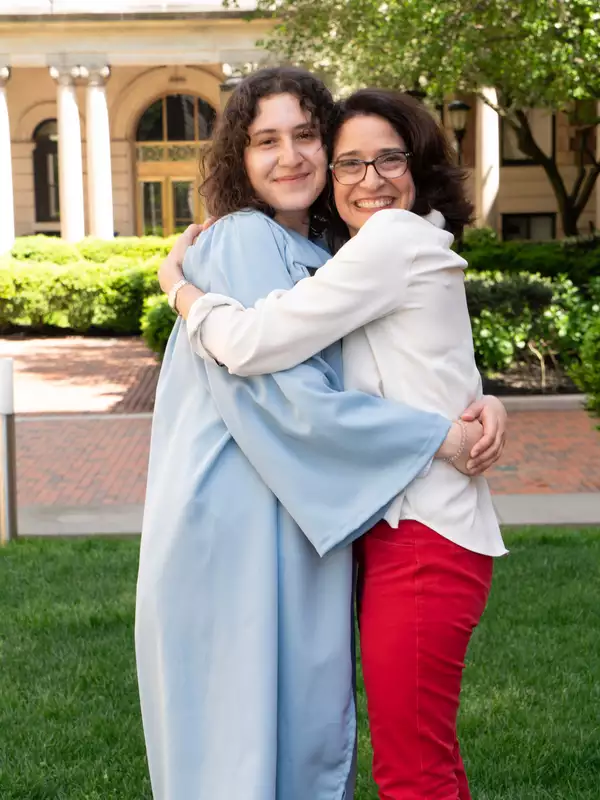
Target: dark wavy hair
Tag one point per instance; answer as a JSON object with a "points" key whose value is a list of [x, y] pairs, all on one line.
{"points": [[439, 182], [226, 187]]}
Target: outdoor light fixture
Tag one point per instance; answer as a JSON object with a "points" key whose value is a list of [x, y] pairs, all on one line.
{"points": [[459, 111], [418, 94], [227, 87]]}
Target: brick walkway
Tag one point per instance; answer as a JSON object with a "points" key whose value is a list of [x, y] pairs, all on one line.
{"points": [[81, 374], [100, 459], [82, 461]]}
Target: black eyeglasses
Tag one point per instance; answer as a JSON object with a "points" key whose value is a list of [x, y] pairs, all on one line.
{"points": [[387, 165]]}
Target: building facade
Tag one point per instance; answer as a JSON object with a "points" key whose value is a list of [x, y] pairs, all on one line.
{"points": [[106, 106]]}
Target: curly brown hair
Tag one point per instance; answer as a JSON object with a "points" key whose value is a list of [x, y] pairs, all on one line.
{"points": [[226, 187], [439, 182]]}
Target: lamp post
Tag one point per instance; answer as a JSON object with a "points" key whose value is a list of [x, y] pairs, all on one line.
{"points": [[459, 111], [8, 460]]}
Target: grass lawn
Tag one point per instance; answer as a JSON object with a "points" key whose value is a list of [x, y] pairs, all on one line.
{"points": [[69, 718]]}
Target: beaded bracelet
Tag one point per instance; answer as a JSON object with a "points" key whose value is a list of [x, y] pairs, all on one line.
{"points": [[463, 442]]}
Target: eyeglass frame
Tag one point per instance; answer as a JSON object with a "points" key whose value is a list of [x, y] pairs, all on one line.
{"points": [[373, 163]]}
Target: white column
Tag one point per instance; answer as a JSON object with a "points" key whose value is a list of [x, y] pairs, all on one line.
{"points": [[7, 204], [100, 196], [70, 161], [487, 161]]}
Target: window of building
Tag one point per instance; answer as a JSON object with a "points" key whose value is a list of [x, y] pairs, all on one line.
{"points": [[543, 128], [177, 118], [583, 122], [171, 135], [45, 172], [535, 227]]}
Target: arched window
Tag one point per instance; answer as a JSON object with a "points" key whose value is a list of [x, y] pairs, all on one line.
{"points": [[177, 118], [170, 137], [45, 171]]}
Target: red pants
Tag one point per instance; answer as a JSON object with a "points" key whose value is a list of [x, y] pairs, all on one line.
{"points": [[420, 597]]}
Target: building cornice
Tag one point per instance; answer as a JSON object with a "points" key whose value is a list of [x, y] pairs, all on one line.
{"points": [[141, 16]]}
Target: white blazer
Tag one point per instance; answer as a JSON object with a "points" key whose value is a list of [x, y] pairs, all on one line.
{"points": [[395, 292]]}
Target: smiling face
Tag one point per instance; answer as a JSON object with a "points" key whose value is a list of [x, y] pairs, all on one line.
{"points": [[366, 137], [285, 160]]}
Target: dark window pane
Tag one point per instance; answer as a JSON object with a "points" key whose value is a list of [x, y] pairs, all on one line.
{"points": [[152, 212], [515, 228], [180, 118], [206, 119], [533, 227], [48, 129], [150, 126], [183, 205], [45, 181]]}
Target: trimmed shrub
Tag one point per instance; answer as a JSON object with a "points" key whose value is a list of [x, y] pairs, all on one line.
{"points": [[157, 323], [131, 247], [518, 317], [76, 296], [586, 373], [49, 249], [478, 237], [517, 314], [577, 259]]}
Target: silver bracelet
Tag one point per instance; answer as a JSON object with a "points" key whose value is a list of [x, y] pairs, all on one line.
{"points": [[172, 296], [463, 442]]}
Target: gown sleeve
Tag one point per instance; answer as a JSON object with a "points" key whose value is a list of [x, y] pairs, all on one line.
{"points": [[365, 280], [335, 459]]}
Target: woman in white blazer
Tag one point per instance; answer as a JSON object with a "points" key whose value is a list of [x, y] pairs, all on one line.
{"points": [[395, 292]]}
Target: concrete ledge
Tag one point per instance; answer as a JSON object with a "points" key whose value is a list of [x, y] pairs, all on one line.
{"points": [[512, 509], [80, 520], [544, 402], [548, 509]]}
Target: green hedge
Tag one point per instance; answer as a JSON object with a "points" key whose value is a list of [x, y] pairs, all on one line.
{"points": [[112, 287], [578, 258], [157, 323], [93, 285], [78, 296], [513, 318], [55, 250], [586, 373]]}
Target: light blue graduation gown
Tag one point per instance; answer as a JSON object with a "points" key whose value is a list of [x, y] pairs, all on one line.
{"points": [[255, 486]]}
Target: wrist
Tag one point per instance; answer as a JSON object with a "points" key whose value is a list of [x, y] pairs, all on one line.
{"points": [[451, 444], [169, 274], [174, 292]]}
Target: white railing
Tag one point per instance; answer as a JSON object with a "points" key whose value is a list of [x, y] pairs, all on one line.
{"points": [[112, 6]]}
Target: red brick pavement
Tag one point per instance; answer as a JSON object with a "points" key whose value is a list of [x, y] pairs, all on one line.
{"points": [[81, 374], [77, 461], [549, 452], [80, 460]]}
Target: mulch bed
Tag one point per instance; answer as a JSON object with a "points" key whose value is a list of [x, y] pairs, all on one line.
{"points": [[526, 379]]}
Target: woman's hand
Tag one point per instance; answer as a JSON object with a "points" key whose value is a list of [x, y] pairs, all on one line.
{"points": [[490, 412], [461, 439], [170, 270]]}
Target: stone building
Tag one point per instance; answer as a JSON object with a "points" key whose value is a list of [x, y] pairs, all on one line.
{"points": [[105, 106]]}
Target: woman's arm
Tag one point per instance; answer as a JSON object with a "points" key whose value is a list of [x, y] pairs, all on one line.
{"points": [[489, 410], [334, 458], [364, 281]]}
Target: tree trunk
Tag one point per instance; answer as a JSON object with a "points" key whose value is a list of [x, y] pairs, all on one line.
{"points": [[569, 218], [570, 204]]}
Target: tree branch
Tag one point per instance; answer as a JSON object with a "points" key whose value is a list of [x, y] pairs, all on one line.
{"points": [[587, 189]]}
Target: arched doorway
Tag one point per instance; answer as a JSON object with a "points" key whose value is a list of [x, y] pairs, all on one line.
{"points": [[170, 137], [45, 171]]}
